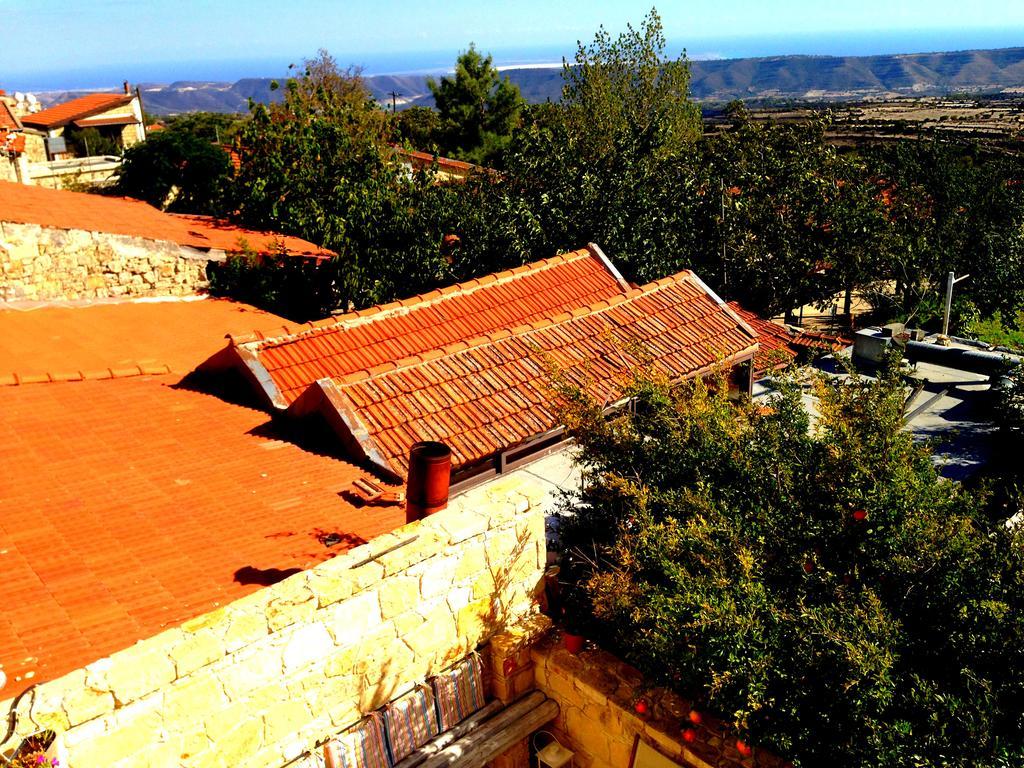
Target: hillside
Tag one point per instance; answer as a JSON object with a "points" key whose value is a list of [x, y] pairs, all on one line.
{"points": [[818, 78]]}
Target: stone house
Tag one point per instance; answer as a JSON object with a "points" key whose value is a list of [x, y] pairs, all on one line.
{"points": [[447, 170], [59, 132]]}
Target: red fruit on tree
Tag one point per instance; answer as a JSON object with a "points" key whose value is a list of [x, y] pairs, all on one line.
{"points": [[695, 717], [743, 748], [689, 735], [809, 567], [860, 515], [640, 707]]}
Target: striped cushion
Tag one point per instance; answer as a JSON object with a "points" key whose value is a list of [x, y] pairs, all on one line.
{"points": [[411, 722], [460, 691], [361, 746]]}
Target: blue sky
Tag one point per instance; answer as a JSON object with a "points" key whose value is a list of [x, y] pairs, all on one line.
{"points": [[194, 39]]}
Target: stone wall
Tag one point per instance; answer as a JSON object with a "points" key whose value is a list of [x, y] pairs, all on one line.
{"points": [[76, 174], [597, 695], [260, 681], [45, 263]]}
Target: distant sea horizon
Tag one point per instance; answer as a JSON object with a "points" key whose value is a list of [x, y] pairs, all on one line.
{"points": [[877, 43]]}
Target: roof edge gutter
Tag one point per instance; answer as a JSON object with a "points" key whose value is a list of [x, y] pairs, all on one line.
{"points": [[725, 307], [596, 251]]}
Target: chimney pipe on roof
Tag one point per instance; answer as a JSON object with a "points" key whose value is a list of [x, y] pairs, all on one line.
{"points": [[126, 88], [430, 467]]}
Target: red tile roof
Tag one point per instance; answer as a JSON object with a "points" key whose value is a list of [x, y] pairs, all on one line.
{"points": [[8, 122], [775, 341], [425, 160], [779, 346], [364, 339], [485, 395], [128, 506], [83, 106], [105, 340], [123, 216], [13, 143]]}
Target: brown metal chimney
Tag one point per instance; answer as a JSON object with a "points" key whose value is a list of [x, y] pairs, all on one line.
{"points": [[430, 470]]}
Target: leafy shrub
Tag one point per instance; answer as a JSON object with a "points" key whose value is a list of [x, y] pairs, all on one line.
{"points": [[822, 588]]}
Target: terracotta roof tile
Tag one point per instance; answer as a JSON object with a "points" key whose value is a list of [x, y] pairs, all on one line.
{"points": [[8, 121], [779, 345], [131, 505], [123, 216], [494, 393], [83, 106], [134, 338], [382, 335]]}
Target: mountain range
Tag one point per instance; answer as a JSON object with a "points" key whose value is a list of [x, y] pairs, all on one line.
{"points": [[817, 78]]}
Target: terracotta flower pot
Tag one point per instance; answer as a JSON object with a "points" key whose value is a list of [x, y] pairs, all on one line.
{"points": [[573, 643]]}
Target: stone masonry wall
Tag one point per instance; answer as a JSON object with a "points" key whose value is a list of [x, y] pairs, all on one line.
{"points": [[597, 695], [261, 680], [45, 263]]}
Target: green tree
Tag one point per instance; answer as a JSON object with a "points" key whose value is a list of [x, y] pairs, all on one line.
{"points": [[215, 127], [419, 128], [823, 589], [953, 209], [623, 96], [785, 219], [609, 163], [478, 109], [178, 171], [317, 165]]}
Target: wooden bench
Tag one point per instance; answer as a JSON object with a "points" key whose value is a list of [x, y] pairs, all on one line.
{"points": [[485, 734]]}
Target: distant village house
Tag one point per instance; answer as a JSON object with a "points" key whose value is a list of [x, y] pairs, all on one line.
{"points": [[80, 140]]}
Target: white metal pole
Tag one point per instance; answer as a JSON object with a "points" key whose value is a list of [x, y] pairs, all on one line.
{"points": [[949, 303], [951, 280]]}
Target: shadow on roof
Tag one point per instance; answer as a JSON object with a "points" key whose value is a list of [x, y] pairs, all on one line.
{"points": [[263, 577], [226, 384]]}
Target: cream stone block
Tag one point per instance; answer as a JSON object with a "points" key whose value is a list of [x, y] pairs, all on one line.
{"points": [[459, 598], [331, 587], [293, 603], [407, 622], [397, 594], [307, 645], [195, 650], [438, 632], [83, 703], [244, 628], [620, 753], [349, 620], [587, 733], [139, 670], [462, 524], [476, 620], [436, 575], [472, 562], [427, 543], [280, 721], [187, 701], [249, 670], [158, 754], [126, 736]]}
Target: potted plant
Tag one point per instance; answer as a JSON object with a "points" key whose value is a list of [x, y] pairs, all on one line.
{"points": [[36, 751], [575, 612]]}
